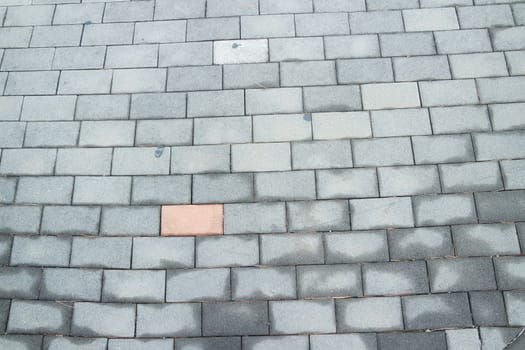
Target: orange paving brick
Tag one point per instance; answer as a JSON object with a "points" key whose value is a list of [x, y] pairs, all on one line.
{"points": [[192, 220]]}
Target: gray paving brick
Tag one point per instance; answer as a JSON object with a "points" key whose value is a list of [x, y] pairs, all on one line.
{"points": [[12, 134], [28, 161], [84, 13], [127, 221], [194, 78], [515, 59], [351, 183], [337, 341], [51, 134], [452, 209], [222, 130], [219, 8], [128, 11], [213, 29], [48, 108], [268, 101], [308, 73], [430, 341], [163, 132], [390, 95], [497, 90], [19, 282], [442, 149], [96, 319], [448, 92], [166, 105], [266, 343], [513, 171], [469, 177], [168, 9], [485, 16], [5, 250], [258, 75], [29, 15], [261, 157], [318, 216], [134, 286], [364, 70], [102, 190], [444, 3], [322, 24], [332, 98], [506, 116], [341, 125], [161, 190], [521, 232], [296, 49], [329, 280], [241, 251], [393, 5], [478, 65], [430, 19], [356, 247], [292, 249], [386, 151], [74, 343], [376, 314], [27, 59], [437, 311], [7, 189], [302, 316], [395, 278], [321, 154], [401, 122], [353, 46], [447, 120], [294, 6], [175, 320], [421, 68], [243, 51], [51, 190], [35, 317], [462, 41], [267, 26], [339, 5], [376, 22], [21, 342], [450, 275], [496, 337], [139, 80], [254, 218], [41, 251], [98, 107], [31, 83], [20, 219], [500, 206], [499, 145], [108, 252], [107, 133], [83, 161], [509, 272], [222, 188], [200, 159], [216, 103], [71, 284], [488, 308], [159, 32], [519, 14], [4, 312], [263, 283], [209, 343], [294, 185], [514, 302], [140, 344], [66, 35], [166, 252], [15, 36], [107, 34], [420, 243], [131, 56], [381, 213], [235, 318], [199, 284], [85, 82], [185, 54], [10, 107], [283, 127]]}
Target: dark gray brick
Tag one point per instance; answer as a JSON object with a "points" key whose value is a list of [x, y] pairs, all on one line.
{"points": [[20, 219], [141, 161], [263, 283], [232, 250], [501, 206], [74, 343], [509, 272], [332, 98], [447, 120], [356, 247], [481, 240], [329, 280], [198, 285], [5, 250], [108, 252], [127, 221], [375, 314], [235, 318], [383, 151], [429, 341], [467, 177], [163, 252], [321, 154], [21, 342], [102, 190], [209, 343], [450, 275], [164, 132], [318, 216], [41, 251], [51, 190], [28, 161], [133, 286], [140, 344], [347, 183], [302, 316], [420, 243], [488, 308], [39, 317], [222, 130], [338, 341], [83, 161], [407, 44], [19, 282], [408, 180], [286, 249], [254, 218], [442, 149], [96, 319], [167, 105], [290, 185], [395, 278], [7, 189], [381, 213], [168, 320], [4, 313], [268, 343], [444, 209], [71, 284], [161, 190], [218, 188]]}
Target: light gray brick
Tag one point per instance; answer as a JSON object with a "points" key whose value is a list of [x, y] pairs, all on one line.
{"points": [[165, 252], [496, 337], [140, 344], [261, 157], [222, 130], [450, 120], [163, 132], [71, 284], [509, 272], [322, 24], [337, 341], [443, 3], [15, 36], [41, 251], [408, 277], [381, 152], [259, 218], [302, 316], [29, 15], [48, 108], [408, 180], [107, 252], [139, 80], [421, 68], [470, 177], [231, 250], [51, 134], [35, 317], [318, 216], [84, 13], [420, 243], [267, 101], [222, 8], [242, 51], [168, 320], [83, 161], [70, 220], [164, 105], [346, 183], [515, 61], [418, 20], [85, 82], [296, 49], [381, 213], [195, 78], [321, 154], [222, 188], [199, 285], [339, 5], [31, 83], [341, 125], [20, 282], [288, 249], [130, 221], [407, 44], [364, 71], [513, 174], [267, 343], [107, 133], [448, 92], [131, 56], [102, 190], [213, 29], [79, 57], [329, 280], [10, 107], [497, 90], [499, 145], [356, 247], [507, 116], [108, 34], [294, 185], [442, 149], [263, 283], [444, 209], [293, 6], [286, 127], [376, 314], [216, 103], [209, 343], [200, 159], [36, 161], [353, 46], [500, 206], [478, 65], [51, 190], [134, 286], [376, 22], [267, 26], [128, 11], [449, 275], [390, 95], [185, 54], [308, 73], [485, 16], [20, 219], [169, 9], [477, 240], [332, 98], [71, 343], [161, 190], [519, 13], [98, 107], [235, 318], [259, 75], [159, 32], [508, 38], [7, 189], [514, 302], [391, 5], [27, 59], [96, 319], [12, 134], [400, 122], [462, 41], [67, 35]]}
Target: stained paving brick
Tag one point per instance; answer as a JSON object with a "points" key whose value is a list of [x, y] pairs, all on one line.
{"points": [[198, 284], [376, 314], [356, 247], [235, 318]]}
